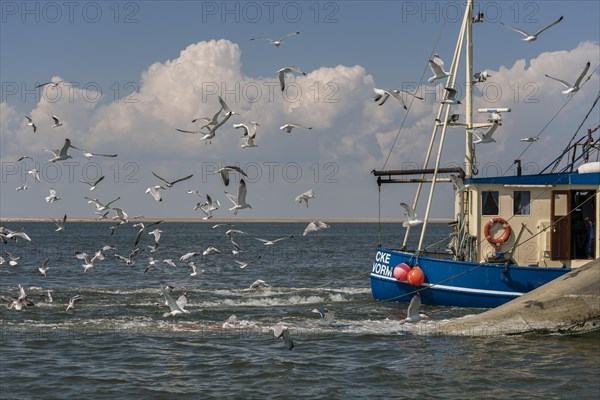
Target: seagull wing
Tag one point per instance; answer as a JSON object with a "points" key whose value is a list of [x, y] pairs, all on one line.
{"points": [[282, 79], [409, 211], [182, 179], [522, 32], [232, 198], [162, 179], [242, 191], [565, 83], [548, 26], [224, 176], [580, 78], [413, 307], [288, 35]]}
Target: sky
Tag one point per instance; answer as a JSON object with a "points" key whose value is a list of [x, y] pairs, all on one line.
{"points": [[134, 71]]}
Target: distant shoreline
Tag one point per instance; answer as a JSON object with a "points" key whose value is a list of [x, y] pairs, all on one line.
{"points": [[217, 221]]}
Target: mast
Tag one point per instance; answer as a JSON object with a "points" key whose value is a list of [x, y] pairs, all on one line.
{"points": [[469, 149]]}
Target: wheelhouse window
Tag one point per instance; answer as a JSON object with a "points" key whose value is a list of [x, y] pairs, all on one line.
{"points": [[521, 203], [489, 203]]}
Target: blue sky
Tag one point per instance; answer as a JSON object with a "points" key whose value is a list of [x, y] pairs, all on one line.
{"points": [[166, 55]]}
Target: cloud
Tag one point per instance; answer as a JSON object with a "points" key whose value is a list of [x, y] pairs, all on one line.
{"points": [[350, 132]]}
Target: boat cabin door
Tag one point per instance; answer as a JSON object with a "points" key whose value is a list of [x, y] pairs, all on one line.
{"points": [[569, 236]]}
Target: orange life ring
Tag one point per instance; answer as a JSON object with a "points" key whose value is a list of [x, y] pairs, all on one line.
{"points": [[503, 238]]}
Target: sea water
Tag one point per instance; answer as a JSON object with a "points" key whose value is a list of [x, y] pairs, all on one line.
{"points": [[117, 344]]}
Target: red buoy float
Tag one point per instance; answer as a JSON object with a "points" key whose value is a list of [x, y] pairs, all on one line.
{"points": [[401, 272], [416, 276]]}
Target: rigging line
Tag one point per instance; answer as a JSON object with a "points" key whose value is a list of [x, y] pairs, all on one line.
{"points": [[413, 98]]}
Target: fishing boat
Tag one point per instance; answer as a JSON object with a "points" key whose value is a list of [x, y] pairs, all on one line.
{"points": [[510, 234]]}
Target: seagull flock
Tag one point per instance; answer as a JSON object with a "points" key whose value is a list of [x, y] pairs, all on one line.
{"points": [[144, 252]]}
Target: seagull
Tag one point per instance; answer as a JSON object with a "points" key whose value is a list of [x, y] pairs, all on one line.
{"points": [[169, 262], [31, 124], [315, 226], [245, 264], [52, 197], [170, 184], [176, 309], [575, 87], [327, 316], [412, 216], [53, 84], [225, 173], [35, 173], [60, 225], [89, 154], [194, 268], [272, 242], [211, 122], [284, 71], [229, 233], [129, 259], [154, 191], [156, 233], [99, 205], [219, 225], [57, 122], [277, 42], [282, 332], [143, 228], [87, 262], [239, 201], [19, 188], [413, 309], [437, 67], [249, 133], [151, 263], [451, 96], [44, 268], [211, 250], [487, 136], [48, 296], [257, 284], [530, 139], [459, 183], [305, 197], [16, 234], [187, 256], [481, 76], [13, 260], [121, 216], [71, 305], [61, 154], [209, 205], [529, 37], [383, 94], [93, 184], [288, 127]]}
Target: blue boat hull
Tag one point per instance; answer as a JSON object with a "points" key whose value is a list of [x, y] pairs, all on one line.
{"points": [[456, 283]]}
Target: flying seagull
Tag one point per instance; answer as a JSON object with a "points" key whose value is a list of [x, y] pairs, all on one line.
{"points": [[154, 191], [93, 184], [381, 96], [413, 309], [89, 154], [52, 197], [245, 264], [71, 305], [60, 225], [258, 284], [239, 201], [281, 332], [53, 84], [529, 37], [451, 96], [170, 184], [176, 309], [437, 67], [225, 173], [31, 124], [327, 317], [288, 127], [249, 133], [44, 268], [277, 42], [99, 205], [575, 87], [487, 136], [22, 187], [412, 216], [284, 71], [304, 197], [272, 242], [57, 122], [530, 139], [61, 154], [35, 173], [459, 183], [315, 226]]}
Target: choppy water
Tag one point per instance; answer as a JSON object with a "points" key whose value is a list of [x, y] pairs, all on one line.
{"points": [[117, 344]]}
